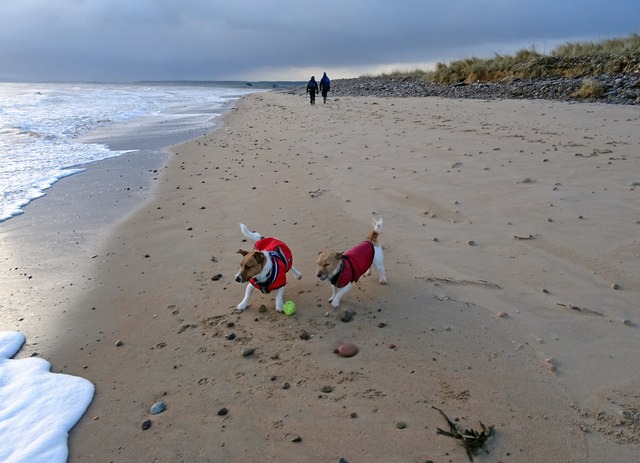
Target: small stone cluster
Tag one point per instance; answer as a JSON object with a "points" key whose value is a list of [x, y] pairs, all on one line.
{"points": [[618, 89]]}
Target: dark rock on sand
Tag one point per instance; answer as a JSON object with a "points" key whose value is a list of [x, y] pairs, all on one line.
{"points": [[346, 316]]}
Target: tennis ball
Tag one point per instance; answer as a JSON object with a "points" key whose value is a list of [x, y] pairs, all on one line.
{"points": [[289, 308]]}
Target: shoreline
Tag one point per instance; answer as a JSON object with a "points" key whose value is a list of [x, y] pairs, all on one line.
{"points": [[473, 333]]}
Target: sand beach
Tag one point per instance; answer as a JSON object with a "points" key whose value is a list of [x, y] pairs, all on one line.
{"points": [[512, 249]]}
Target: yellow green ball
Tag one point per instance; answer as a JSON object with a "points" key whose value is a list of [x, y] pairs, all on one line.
{"points": [[289, 307]]}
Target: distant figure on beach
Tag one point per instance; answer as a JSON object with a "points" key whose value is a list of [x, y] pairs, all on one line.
{"points": [[312, 89], [325, 86]]}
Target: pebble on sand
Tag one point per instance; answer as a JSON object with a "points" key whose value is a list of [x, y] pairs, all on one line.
{"points": [[247, 351], [158, 407], [346, 349]]}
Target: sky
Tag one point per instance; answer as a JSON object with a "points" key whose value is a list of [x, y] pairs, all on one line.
{"points": [[132, 40]]}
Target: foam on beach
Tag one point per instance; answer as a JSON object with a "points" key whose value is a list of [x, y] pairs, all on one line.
{"points": [[37, 408]]}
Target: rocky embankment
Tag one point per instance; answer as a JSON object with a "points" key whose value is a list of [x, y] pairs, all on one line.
{"points": [[618, 89]]}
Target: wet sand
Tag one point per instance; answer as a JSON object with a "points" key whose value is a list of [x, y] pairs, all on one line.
{"points": [[512, 253]]}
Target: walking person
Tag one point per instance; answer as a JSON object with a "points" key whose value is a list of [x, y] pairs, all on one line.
{"points": [[325, 86], [312, 89]]}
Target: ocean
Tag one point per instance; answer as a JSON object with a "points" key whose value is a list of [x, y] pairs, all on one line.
{"points": [[46, 128]]}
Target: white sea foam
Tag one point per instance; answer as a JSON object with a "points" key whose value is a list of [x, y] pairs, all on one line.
{"points": [[42, 126], [37, 408]]}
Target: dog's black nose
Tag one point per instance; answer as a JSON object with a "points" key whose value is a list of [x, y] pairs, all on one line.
{"points": [[238, 278], [319, 275]]}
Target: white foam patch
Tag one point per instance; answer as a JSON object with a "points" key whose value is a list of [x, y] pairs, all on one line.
{"points": [[37, 408]]}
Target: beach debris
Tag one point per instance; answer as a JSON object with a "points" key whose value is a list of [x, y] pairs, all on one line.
{"points": [[304, 335], [296, 439], [346, 349], [401, 425], [223, 411], [216, 277], [318, 192], [551, 362], [580, 309], [525, 180], [503, 315], [146, 424], [527, 237], [615, 286], [434, 279], [158, 407], [470, 439], [119, 343], [231, 336], [326, 389]]}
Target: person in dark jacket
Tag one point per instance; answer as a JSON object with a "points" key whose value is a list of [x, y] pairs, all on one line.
{"points": [[325, 86], [312, 89]]}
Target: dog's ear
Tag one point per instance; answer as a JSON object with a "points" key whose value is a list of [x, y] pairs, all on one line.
{"points": [[338, 255], [260, 258], [243, 252]]}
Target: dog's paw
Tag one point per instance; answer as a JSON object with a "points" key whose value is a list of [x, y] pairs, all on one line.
{"points": [[383, 281], [299, 277], [241, 307]]}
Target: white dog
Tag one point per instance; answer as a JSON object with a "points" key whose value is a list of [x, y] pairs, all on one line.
{"points": [[265, 267], [343, 269]]}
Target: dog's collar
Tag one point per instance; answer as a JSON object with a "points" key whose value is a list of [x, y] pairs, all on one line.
{"points": [[336, 277]]}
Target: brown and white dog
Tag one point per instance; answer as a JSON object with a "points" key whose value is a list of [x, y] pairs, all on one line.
{"points": [[265, 267], [343, 269]]}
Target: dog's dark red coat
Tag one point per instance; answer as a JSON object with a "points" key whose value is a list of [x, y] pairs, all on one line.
{"points": [[355, 262], [281, 260]]}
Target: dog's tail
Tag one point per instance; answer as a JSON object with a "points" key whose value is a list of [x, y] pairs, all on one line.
{"points": [[249, 234], [377, 228]]}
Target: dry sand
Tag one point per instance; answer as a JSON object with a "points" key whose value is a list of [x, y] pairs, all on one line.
{"points": [[512, 243]]}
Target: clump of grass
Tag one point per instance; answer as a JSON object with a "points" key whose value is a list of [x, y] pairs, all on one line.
{"points": [[570, 60], [590, 89], [615, 47]]}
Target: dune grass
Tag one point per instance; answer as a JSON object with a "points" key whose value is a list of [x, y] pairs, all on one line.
{"points": [[611, 56]]}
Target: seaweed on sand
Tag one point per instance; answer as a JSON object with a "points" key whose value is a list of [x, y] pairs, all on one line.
{"points": [[470, 439]]}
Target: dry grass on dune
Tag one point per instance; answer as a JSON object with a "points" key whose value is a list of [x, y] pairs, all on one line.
{"points": [[612, 56]]}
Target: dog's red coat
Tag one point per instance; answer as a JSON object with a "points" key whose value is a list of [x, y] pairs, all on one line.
{"points": [[282, 260], [356, 261]]}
